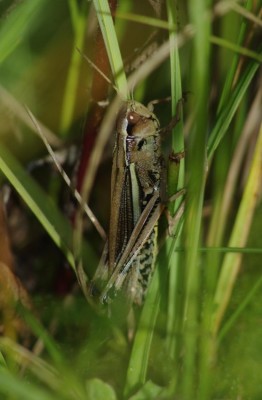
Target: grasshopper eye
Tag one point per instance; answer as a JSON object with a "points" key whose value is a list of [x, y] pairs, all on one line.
{"points": [[133, 118]]}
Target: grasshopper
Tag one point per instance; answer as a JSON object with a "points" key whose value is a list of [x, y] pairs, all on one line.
{"points": [[136, 204]]}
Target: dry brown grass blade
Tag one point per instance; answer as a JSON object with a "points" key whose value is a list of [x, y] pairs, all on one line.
{"points": [[6, 256], [11, 289]]}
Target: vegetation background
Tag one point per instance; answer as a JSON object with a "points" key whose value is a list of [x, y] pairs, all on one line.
{"points": [[198, 335]]}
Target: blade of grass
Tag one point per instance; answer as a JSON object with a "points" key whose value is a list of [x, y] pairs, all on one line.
{"points": [[138, 363], [41, 333], [58, 228], [243, 250], [177, 146], [223, 188], [3, 365], [244, 11], [37, 201], [231, 263], [111, 42], [232, 319], [237, 49], [18, 110], [219, 224], [197, 169], [223, 157], [18, 388], [143, 19], [228, 112], [78, 17], [17, 24], [67, 180], [221, 192], [230, 76], [69, 381], [26, 359]]}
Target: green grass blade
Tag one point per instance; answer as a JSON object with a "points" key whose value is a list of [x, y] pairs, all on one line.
{"points": [[49, 343], [138, 363], [39, 203], [233, 317], [239, 235], [196, 166], [17, 388], [3, 365], [111, 42], [17, 25], [176, 87], [237, 49], [58, 228], [177, 146], [69, 98], [27, 359], [74, 14], [230, 75], [56, 374], [228, 112]]}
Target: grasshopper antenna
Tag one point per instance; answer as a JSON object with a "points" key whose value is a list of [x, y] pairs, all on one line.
{"points": [[95, 67]]}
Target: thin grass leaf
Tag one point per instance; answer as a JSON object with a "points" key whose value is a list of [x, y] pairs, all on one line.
{"points": [[17, 24], [69, 97], [174, 183], [231, 73], [196, 169], [243, 250], [233, 317], [228, 112], [240, 231], [67, 180], [17, 110], [26, 359], [227, 193], [3, 365], [138, 362], [145, 20], [39, 203], [48, 341], [111, 42], [245, 11], [58, 228], [60, 379], [223, 186], [74, 13], [15, 387], [176, 86], [237, 49]]}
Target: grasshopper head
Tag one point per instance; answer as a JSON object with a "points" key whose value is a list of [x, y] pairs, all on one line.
{"points": [[135, 119]]}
